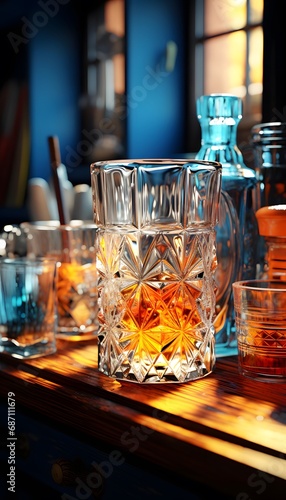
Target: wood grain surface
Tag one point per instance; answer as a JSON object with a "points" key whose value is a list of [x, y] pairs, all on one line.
{"points": [[197, 430]]}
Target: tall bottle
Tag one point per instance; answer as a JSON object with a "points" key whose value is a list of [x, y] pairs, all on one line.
{"points": [[269, 150], [269, 155], [219, 115]]}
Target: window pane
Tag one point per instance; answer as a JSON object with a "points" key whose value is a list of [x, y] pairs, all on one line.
{"points": [[114, 17], [256, 11], [255, 56], [225, 64], [255, 70], [119, 73], [224, 15]]}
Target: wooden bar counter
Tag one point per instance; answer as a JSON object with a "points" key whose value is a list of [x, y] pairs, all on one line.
{"points": [[82, 435]]}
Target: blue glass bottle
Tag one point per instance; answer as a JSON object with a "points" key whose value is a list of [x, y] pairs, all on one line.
{"points": [[237, 232]]}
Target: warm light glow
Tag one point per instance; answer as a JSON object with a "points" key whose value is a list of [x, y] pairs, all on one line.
{"points": [[239, 91], [255, 459], [222, 16], [226, 57], [256, 56], [255, 88], [115, 24], [114, 17], [224, 63], [256, 10], [119, 73]]}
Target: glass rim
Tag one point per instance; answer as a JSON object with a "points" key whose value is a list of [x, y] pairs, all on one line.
{"points": [[254, 285], [220, 94], [54, 225], [172, 162], [28, 261]]}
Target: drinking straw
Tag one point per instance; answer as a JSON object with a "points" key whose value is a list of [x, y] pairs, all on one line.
{"points": [[55, 158]]}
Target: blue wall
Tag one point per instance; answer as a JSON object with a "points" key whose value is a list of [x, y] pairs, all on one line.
{"points": [[47, 43], [156, 99], [54, 89]]}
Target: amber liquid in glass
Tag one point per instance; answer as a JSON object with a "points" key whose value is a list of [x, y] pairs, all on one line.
{"points": [[157, 305], [76, 295], [264, 353], [162, 320]]}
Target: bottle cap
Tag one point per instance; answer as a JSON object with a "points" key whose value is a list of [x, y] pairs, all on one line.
{"points": [[272, 220]]}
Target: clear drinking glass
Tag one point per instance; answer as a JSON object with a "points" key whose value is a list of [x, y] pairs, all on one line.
{"points": [[156, 260], [73, 246], [28, 318], [260, 316]]}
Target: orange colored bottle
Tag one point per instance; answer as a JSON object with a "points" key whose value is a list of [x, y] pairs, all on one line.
{"points": [[272, 227]]}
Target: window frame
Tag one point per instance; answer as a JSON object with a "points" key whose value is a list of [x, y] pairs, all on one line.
{"points": [[196, 73]]}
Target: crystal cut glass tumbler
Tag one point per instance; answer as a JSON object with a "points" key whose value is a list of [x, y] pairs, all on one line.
{"points": [[156, 259]]}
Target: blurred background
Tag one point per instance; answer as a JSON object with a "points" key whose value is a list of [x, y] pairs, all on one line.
{"points": [[120, 79]]}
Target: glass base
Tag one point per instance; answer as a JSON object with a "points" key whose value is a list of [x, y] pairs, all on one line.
{"points": [[16, 350], [266, 364], [76, 334], [158, 380], [168, 367], [262, 377]]}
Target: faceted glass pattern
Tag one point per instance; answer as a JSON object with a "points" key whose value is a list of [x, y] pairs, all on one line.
{"points": [[156, 260], [260, 315]]}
